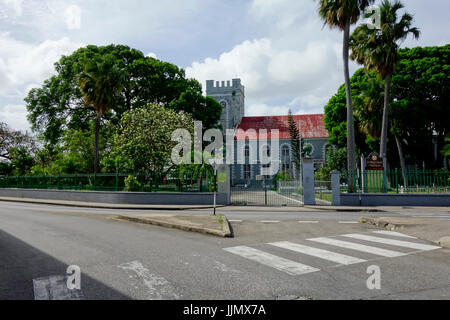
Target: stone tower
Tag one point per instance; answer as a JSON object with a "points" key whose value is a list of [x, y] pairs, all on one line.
{"points": [[231, 96]]}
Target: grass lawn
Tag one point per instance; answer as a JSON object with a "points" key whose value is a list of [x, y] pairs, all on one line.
{"points": [[324, 196]]}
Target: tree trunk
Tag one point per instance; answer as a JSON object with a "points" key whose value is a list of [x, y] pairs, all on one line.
{"points": [[97, 129], [385, 123], [402, 160], [351, 158]]}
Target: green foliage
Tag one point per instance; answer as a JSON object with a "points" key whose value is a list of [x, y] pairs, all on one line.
{"points": [[21, 160], [377, 48], [421, 99], [369, 106], [419, 107], [307, 149], [74, 155], [447, 147], [336, 159], [323, 174], [295, 141], [59, 104], [340, 13], [101, 83], [10, 139], [283, 176], [335, 118], [6, 168], [132, 183], [144, 139]]}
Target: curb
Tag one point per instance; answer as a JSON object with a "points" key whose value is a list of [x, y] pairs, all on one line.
{"points": [[444, 242], [324, 208], [224, 233], [385, 224], [106, 206]]}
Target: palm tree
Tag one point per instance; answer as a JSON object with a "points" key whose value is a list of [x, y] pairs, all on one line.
{"points": [[369, 107], [369, 110], [377, 49], [101, 81], [342, 14]]}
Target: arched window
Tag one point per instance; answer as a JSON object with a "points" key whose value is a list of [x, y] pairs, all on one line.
{"points": [[266, 150], [285, 159], [246, 171], [247, 151]]}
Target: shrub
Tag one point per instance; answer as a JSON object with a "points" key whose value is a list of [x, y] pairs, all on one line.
{"points": [[132, 183]]}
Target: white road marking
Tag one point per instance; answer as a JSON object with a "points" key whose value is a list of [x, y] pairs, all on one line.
{"points": [[269, 221], [308, 222], [348, 222], [406, 244], [319, 253], [358, 247], [235, 220], [290, 199], [290, 267], [393, 233], [157, 287], [427, 216], [54, 288]]}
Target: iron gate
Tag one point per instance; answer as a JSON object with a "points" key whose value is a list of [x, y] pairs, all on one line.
{"points": [[268, 193]]}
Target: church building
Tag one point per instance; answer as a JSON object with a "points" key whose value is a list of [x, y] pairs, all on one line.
{"points": [[231, 96]]}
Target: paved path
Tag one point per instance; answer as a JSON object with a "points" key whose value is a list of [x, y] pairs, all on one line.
{"points": [[123, 260]]}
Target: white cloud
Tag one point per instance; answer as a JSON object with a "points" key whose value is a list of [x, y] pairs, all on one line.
{"points": [[281, 13], [22, 63], [297, 62], [16, 5], [73, 17], [151, 55], [261, 109], [14, 116], [23, 66], [304, 76]]}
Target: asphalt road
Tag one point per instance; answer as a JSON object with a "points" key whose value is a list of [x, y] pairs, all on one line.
{"points": [[273, 256]]}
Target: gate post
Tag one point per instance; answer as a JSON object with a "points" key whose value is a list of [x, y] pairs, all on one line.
{"points": [[309, 197], [336, 188], [224, 181]]}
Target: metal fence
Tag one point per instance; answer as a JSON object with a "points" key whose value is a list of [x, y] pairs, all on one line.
{"points": [[323, 192], [396, 181], [267, 193], [146, 182]]}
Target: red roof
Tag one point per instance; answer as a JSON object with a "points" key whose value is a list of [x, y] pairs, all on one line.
{"points": [[312, 126]]}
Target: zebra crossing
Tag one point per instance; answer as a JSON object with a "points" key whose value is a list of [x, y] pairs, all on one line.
{"points": [[349, 242]]}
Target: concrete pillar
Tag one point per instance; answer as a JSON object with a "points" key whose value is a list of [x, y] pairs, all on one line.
{"points": [[308, 182], [336, 188], [224, 181]]}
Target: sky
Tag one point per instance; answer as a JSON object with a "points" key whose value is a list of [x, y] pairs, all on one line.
{"points": [[280, 49]]}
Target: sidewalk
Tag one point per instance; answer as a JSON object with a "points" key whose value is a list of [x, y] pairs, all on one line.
{"points": [[208, 224], [437, 231], [100, 205]]}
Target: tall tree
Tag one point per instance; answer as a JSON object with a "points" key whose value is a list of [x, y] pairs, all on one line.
{"points": [[10, 139], [58, 103], [101, 82], [446, 150], [144, 142], [295, 143], [377, 49], [342, 14]]}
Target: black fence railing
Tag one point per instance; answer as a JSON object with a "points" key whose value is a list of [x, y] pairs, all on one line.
{"points": [[138, 182], [396, 181]]}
